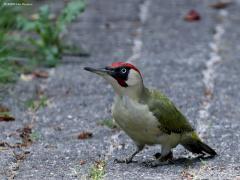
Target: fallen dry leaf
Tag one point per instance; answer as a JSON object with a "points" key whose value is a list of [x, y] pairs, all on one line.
{"points": [[7, 145], [192, 15], [81, 162], [40, 74], [4, 114], [220, 4], [85, 135], [25, 134], [6, 118], [208, 93], [20, 156], [3, 146]]}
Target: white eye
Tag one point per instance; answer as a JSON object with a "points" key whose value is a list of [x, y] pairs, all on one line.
{"points": [[123, 70]]}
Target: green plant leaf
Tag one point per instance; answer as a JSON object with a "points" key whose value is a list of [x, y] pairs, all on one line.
{"points": [[72, 10]]}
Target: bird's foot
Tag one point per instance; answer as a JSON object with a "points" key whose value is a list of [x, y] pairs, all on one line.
{"points": [[130, 158], [160, 161], [157, 162], [127, 160]]}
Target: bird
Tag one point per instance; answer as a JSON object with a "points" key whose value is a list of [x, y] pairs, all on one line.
{"points": [[148, 116]]}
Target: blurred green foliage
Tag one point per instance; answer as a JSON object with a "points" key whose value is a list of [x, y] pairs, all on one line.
{"points": [[48, 43], [7, 23], [26, 43], [8, 16], [98, 170]]}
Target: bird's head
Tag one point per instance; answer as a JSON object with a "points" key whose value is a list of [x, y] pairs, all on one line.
{"points": [[124, 77]]}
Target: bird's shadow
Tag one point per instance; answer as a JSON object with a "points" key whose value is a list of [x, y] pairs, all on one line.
{"points": [[182, 161]]}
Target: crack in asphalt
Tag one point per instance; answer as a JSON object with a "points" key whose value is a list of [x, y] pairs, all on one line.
{"points": [[137, 41], [209, 75], [136, 54]]}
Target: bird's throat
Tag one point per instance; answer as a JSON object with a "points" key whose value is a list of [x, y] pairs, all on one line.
{"points": [[135, 92]]}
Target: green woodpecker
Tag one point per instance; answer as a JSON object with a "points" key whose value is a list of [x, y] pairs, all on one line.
{"points": [[147, 116]]}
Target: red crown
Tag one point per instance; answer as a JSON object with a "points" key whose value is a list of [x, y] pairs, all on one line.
{"points": [[124, 64]]}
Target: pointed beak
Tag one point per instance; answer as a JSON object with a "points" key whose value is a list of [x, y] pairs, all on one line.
{"points": [[99, 71]]}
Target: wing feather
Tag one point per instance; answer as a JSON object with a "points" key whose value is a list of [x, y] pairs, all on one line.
{"points": [[170, 118]]}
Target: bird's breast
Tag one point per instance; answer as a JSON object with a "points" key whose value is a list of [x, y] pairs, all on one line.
{"points": [[136, 120]]}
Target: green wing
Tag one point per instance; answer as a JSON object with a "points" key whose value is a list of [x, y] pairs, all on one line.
{"points": [[170, 118]]}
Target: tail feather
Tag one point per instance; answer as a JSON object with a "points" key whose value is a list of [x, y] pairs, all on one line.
{"points": [[199, 148], [195, 145]]}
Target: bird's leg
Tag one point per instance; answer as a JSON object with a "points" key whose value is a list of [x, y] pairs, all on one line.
{"points": [[164, 159], [129, 159]]}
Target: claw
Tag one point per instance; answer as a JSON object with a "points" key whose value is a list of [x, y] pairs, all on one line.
{"points": [[121, 161], [160, 161], [127, 161]]}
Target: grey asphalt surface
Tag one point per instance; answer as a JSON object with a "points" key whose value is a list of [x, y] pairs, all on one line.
{"points": [[173, 55]]}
